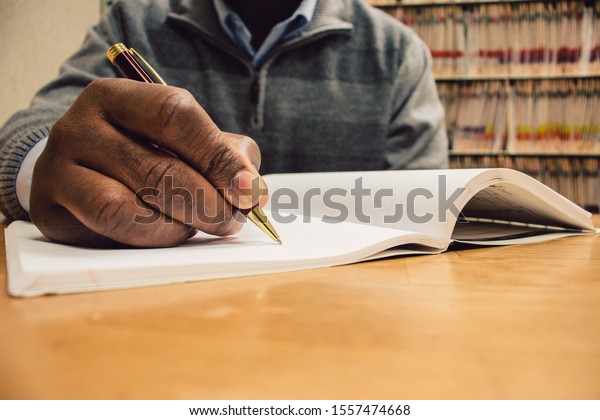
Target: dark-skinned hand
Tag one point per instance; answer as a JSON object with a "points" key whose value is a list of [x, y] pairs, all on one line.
{"points": [[142, 165]]}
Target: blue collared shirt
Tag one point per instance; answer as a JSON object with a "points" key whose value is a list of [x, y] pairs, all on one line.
{"points": [[238, 32]]}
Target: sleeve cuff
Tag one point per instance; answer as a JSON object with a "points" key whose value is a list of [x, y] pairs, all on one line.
{"points": [[25, 173]]}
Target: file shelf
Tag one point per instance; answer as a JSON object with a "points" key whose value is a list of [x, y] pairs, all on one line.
{"points": [[520, 83]]}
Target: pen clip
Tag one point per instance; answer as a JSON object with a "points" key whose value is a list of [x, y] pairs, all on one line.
{"points": [[146, 66]]}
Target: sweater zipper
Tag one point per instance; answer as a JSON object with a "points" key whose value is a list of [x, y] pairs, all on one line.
{"points": [[256, 102], [255, 120]]}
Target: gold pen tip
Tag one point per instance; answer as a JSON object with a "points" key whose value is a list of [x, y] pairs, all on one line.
{"points": [[279, 242]]}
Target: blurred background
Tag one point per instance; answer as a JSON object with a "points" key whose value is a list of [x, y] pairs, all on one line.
{"points": [[52, 29]]}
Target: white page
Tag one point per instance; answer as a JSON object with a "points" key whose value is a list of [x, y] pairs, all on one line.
{"points": [[37, 266], [420, 193], [496, 193], [517, 197]]}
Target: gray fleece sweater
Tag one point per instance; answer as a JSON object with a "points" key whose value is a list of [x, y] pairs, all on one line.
{"points": [[353, 92]]}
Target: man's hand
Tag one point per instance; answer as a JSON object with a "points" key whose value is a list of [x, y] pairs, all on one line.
{"points": [[142, 165]]}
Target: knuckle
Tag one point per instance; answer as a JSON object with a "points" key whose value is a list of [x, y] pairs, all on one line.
{"points": [[246, 146], [110, 213], [158, 172], [51, 168], [99, 83], [96, 85], [101, 99], [221, 164], [133, 153], [176, 114], [68, 134], [83, 119], [96, 92], [62, 131], [103, 86]]}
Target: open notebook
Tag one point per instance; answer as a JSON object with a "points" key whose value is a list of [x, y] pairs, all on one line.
{"points": [[324, 219]]}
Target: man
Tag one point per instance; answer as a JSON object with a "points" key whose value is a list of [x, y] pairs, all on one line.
{"points": [[323, 85]]}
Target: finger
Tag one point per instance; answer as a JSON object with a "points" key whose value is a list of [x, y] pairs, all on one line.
{"points": [[172, 119], [58, 225], [108, 208], [162, 181], [248, 147]]}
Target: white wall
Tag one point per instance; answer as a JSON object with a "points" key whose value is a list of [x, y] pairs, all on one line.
{"points": [[36, 36]]}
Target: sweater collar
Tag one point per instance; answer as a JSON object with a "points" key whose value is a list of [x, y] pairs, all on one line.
{"points": [[328, 15]]}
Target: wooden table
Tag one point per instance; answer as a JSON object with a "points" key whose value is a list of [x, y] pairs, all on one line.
{"points": [[488, 323]]}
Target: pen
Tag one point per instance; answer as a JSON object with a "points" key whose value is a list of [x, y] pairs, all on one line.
{"points": [[134, 67]]}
